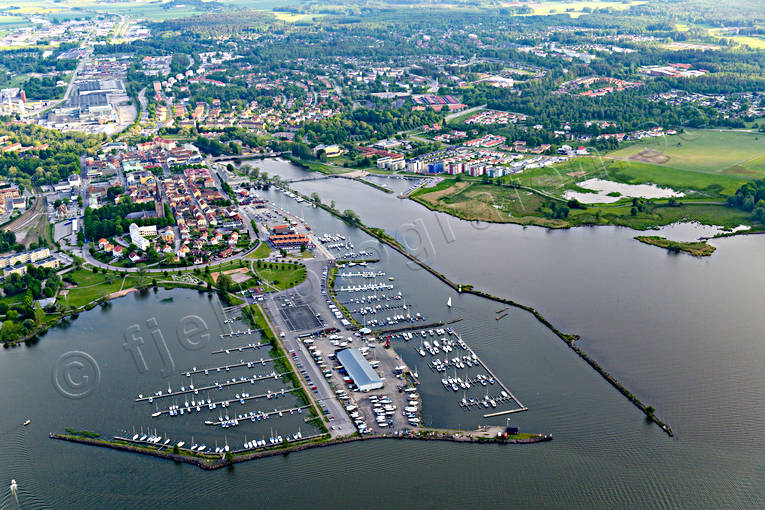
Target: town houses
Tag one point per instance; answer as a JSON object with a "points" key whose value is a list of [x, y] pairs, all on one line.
{"points": [[184, 216]]}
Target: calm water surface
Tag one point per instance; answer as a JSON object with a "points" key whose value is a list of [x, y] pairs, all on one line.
{"points": [[684, 334]]}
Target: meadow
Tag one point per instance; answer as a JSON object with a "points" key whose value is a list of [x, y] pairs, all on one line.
{"points": [[709, 151], [575, 8]]}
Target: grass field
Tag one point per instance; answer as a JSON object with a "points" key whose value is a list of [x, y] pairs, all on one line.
{"points": [[473, 200], [292, 18], [92, 286], [756, 43], [261, 252], [701, 184], [477, 201], [283, 276], [557, 179], [6, 19], [710, 151], [577, 7]]}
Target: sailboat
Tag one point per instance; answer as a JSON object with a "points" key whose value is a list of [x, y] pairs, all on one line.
{"points": [[449, 302]]}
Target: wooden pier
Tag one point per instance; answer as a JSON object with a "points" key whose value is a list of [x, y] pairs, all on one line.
{"points": [[237, 333], [509, 411]]}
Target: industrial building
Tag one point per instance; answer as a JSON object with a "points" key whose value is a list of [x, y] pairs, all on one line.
{"points": [[359, 369]]}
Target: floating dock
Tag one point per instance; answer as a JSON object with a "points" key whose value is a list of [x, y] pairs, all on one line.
{"points": [[224, 403], [245, 380], [248, 364], [240, 348], [253, 416], [512, 397]]}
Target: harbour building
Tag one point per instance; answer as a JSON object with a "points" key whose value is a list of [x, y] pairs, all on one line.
{"points": [[359, 369]]}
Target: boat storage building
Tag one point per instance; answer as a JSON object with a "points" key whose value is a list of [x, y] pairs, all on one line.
{"points": [[359, 369]]}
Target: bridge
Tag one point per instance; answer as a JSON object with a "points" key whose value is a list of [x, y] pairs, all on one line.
{"points": [[310, 178]]}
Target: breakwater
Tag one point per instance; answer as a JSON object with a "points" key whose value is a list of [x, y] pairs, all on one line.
{"points": [[212, 462], [569, 339]]}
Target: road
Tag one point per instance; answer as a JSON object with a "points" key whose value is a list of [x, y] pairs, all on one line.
{"points": [[142, 101], [463, 112], [309, 292], [85, 254]]}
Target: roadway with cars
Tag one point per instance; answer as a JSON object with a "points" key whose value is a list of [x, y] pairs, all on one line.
{"points": [[312, 292]]}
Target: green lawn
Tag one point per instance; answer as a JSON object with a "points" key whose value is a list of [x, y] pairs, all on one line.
{"points": [[710, 151], [92, 286], [281, 275], [261, 252]]}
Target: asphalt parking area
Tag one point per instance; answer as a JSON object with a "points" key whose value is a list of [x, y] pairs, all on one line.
{"points": [[300, 317]]}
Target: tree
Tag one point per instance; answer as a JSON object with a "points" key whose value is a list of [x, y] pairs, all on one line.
{"points": [[351, 216], [141, 276], [315, 197]]}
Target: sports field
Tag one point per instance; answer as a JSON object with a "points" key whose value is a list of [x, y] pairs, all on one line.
{"points": [[708, 151]]}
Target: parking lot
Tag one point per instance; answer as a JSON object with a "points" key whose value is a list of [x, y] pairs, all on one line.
{"points": [[394, 407], [300, 317]]}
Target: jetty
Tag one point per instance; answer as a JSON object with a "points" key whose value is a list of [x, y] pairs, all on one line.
{"points": [[234, 382], [223, 403], [502, 385], [240, 348]]}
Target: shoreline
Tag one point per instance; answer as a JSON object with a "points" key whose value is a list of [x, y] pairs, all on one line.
{"points": [[213, 462], [696, 249], [568, 339]]}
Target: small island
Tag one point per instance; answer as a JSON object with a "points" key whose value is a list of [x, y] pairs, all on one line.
{"points": [[697, 249]]}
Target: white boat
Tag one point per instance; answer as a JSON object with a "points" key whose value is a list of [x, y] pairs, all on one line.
{"points": [[449, 302], [14, 485]]}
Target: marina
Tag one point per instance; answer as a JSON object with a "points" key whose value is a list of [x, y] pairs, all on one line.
{"points": [[241, 348], [254, 416], [440, 343], [226, 368], [208, 404], [215, 386]]}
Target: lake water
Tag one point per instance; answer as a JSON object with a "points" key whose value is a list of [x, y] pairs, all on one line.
{"points": [[603, 187], [682, 333]]}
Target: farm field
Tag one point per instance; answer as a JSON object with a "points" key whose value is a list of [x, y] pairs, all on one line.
{"points": [[720, 152], [576, 7], [757, 43]]}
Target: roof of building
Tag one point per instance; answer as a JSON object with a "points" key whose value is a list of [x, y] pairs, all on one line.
{"points": [[359, 368]]}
